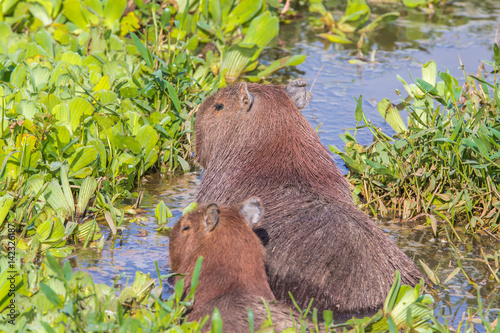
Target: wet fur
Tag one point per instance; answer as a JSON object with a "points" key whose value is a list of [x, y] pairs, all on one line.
{"points": [[319, 244], [232, 276]]}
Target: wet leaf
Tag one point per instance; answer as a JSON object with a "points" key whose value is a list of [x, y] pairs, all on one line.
{"points": [[162, 213], [380, 21], [429, 273], [189, 208], [87, 190], [89, 231], [452, 275], [335, 38]]}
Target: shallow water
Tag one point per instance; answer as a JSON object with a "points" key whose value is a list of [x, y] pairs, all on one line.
{"points": [[464, 29]]}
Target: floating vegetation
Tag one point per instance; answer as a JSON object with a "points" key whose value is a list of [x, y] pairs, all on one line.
{"points": [[352, 26], [444, 163]]}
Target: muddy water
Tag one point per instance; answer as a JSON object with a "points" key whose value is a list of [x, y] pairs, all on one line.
{"points": [[463, 30]]}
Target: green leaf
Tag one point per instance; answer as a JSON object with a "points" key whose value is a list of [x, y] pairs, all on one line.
{"points": [[56, 198], [189, 208], [51, 295], [44, 39], [429, 273], [261, 31], [173, 97], [5, 32], [380, 21], [113, 11], [429, 72], [414, 3], [5, 204], [184, 164], [72, 58], [145, 53], [81, 158], [79, 107], [18, 75], [334, 38], [391, 115], [65, 186], [38, 11], [356, 14], [195, 277], [216, 321], [358, 113], [54, 265], [242, 13], [89, 231], [236, 60], [392, 296], [281, 63], [73, 12], [87, 190], [162, 213]]}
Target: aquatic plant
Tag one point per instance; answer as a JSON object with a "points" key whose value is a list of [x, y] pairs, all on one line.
{"points": [[444, 163], [353, 25], [55, 298]]}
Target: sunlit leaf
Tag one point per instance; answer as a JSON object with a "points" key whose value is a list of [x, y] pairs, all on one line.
{"points": [[337, 38], [113, 11], [242, 13], [5, 204], [73, 12]]}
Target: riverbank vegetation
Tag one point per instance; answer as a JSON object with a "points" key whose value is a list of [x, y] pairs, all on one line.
{"points": [[443, 163]]}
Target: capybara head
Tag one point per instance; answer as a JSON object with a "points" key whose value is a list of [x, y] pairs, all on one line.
{"points": [[254, 131], [233, 256], [245, 109]]}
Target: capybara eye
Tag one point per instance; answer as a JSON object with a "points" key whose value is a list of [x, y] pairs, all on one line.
{"points": [[219, 106], [186, 228]]}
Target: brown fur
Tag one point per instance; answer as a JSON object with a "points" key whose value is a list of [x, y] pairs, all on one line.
{"points": [[319, 244], [232, 277]]}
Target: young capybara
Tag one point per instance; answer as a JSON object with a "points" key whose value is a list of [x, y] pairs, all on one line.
{"points": [[232, 276], [253, 140]]}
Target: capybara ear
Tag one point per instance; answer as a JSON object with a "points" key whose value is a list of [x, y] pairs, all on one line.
{"points": [[246, 99], [211, 217], [251, 210], [296, 90]]}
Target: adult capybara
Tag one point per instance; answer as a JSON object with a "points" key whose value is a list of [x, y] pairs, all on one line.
{"points": [[233, 276], [253, 140]]}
